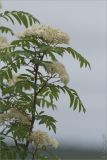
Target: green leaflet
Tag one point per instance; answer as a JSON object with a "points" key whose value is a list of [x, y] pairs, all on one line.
{"points": [[4, 29], [60, 51], [10, 73], [21, 17], [43, 102], [47, 120], [79, 57], [74, 98], [19, 130], [7, 152], [21, 43]]}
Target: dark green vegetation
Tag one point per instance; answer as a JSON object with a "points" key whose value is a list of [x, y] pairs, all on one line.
{"points": [[32, 89]]}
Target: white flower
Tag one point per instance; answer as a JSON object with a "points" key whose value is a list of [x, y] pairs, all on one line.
{"points": [[64, 78], [41, 139], [59, 68], [3, 42], [18, 115], [47, 33], [15, 114], [54, 143]]}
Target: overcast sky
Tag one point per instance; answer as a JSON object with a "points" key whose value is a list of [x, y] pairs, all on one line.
{"points": [[85, 22]]}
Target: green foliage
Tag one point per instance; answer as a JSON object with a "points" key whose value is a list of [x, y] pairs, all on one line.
{"points": [[26, 85], [23, 153], [5, 104], [19, 131], [7, 152], [83, 62], [42, 102], [21, 17], [10, 152], [47, 120], [4, 29], [78, 56], [74, 98], [23, 43]]}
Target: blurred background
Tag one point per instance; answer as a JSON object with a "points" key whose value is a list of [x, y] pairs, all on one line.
{"points": [[80, 135]]}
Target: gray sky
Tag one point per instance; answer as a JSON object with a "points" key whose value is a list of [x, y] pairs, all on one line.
{"points": [[85, 22]]}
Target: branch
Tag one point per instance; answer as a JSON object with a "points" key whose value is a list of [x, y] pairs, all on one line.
{"points": [[15, 141], [36, 67], [34, 109], [45, 83]]}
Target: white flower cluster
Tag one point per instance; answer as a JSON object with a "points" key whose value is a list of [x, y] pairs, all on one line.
{"points": [[3, 42], [47, 33], [15, 114], [57, 67], [41, 139]]}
